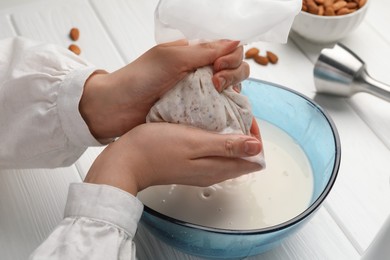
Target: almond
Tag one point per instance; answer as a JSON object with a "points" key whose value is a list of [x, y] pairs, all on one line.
{"points": [[272, 57], [75, 49], [74, 34], [362, 3], [329, 11], [252, 52], [343, 11], [338, 5], [328, 3], [312, 8], [319, 2], [351, 5], [321, 10], [261, 60]]}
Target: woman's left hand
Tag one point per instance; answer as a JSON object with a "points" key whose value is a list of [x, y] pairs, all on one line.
{"points": [[165, 153]]}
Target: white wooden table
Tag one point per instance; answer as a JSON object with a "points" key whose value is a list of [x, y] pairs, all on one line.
{"points": [[115, 32]]}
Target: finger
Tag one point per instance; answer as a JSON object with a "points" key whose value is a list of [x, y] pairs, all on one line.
{"points": [[217, 169], [226, 78], [230, 61], [255, 131], [231, 146], [203, 54]]}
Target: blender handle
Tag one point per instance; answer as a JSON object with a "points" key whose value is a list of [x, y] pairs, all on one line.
{"points": [[374, 86]]}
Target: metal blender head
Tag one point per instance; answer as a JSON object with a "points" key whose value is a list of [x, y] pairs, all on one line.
{"points": [[341, 72]]}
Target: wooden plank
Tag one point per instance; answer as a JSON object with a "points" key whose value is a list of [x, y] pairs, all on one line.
{"points": [[292, 70], [6, 29], [378, 17], [85, 161], [363, 183], [319, 239], [94, 41], [32, 203], [52, 23], [376, 54], [129, 23], [360, 198], [130, 26], [9, 4]]}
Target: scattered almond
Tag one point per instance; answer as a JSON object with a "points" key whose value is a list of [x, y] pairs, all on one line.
{"points": [[74, 34], [252, 52], [261, 60], [75, 49], [272, 57]]}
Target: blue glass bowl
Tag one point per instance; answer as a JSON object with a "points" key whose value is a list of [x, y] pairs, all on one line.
{"points": [[312, 129]]}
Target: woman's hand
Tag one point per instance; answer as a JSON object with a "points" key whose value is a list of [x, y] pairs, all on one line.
{"points": [[163, 153], [114, 103]]}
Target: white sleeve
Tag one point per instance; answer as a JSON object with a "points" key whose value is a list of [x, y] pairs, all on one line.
{"points": [[100, 223], [40, 89]]}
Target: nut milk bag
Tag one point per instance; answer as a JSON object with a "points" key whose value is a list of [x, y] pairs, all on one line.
{"points": [[194, 100]]}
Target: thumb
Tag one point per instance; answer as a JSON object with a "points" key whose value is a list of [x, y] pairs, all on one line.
{"points": [[242, 147], [234, 146]]}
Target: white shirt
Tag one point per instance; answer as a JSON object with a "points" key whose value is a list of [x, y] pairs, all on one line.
{"points": [[40, 126]]}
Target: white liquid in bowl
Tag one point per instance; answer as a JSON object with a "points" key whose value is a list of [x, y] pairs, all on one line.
{"points": [[257, 200]]}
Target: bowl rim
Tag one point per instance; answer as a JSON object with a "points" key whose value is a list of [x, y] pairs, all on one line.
{"points": [[336, 17], [291, 222]]}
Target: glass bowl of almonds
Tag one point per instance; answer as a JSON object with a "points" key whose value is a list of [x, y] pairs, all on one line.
{"points": [[325, 21]]}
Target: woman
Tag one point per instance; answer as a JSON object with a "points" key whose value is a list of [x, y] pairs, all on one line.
{"points": [[54, 105]]}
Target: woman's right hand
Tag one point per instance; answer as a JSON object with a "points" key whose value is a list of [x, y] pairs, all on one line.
{"points": [[114, 103], [163, 153]]}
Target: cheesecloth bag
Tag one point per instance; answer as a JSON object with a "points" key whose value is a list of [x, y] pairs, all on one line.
{"points": [[194, 100]]}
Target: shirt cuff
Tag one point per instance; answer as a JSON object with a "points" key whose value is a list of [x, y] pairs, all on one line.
{"points": [[69, 96], [104, 203]]}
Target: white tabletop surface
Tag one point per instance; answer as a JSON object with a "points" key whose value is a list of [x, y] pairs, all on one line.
{"points": [[115, 32]]}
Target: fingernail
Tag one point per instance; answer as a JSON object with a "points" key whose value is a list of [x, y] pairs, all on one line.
{"points": [[252, 147]]}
